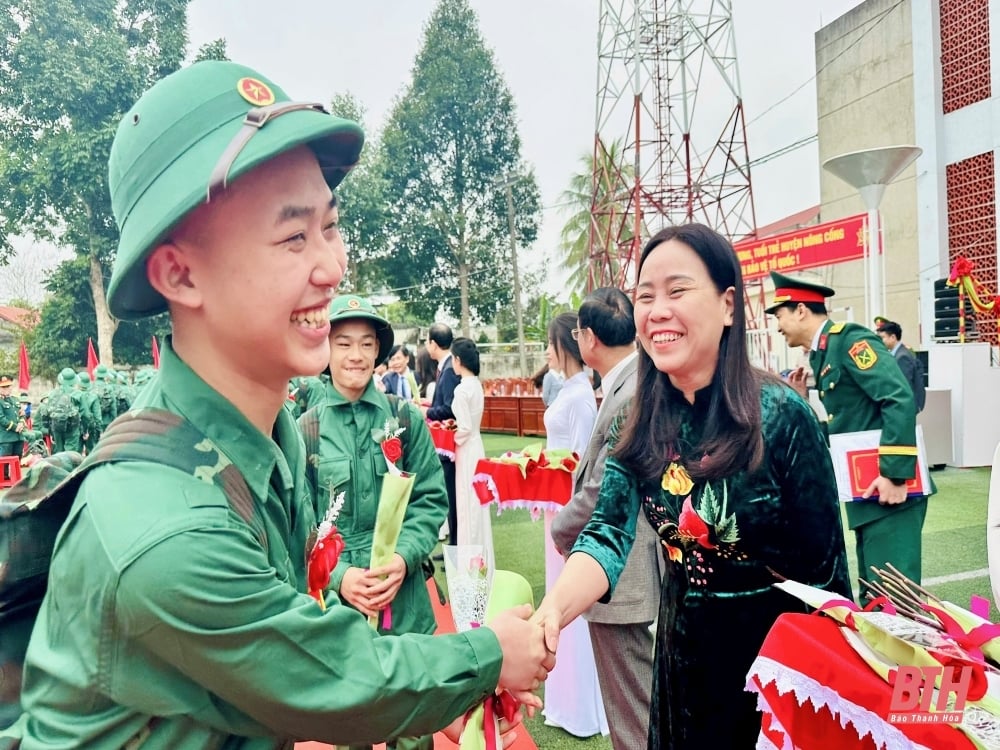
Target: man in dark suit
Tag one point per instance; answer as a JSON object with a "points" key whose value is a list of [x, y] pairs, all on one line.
{"points": [[619, 630], [439, 339], [891, 334]]}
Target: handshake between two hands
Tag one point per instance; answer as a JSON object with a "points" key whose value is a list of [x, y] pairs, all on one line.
{"points": [[528, 641]]}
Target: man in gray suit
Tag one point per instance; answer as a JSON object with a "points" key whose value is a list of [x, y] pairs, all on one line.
{"points": [[619, 630]]}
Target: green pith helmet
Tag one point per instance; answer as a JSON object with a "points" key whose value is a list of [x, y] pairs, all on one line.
{"points": [[185, 140], [83, 380], [67, 377], [100, 372], [352, 307]]}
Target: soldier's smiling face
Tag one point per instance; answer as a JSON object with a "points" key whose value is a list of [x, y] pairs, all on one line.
{"points": [[353, 348], [792, 325]]}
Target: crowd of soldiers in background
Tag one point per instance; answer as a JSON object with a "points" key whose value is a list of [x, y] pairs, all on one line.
{"points": [[71, 416], [74, 414]]}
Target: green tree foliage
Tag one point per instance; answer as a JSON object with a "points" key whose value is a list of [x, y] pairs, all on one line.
{"points": [[68, 72], [598, 201], [450, 144], [213, 50], [362, 209], [67, 321]]}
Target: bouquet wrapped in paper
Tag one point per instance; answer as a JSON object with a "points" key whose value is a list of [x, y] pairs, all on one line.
{"points": [[397, 485], [477, 592]]}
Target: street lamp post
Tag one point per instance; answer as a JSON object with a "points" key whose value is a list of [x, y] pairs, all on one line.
{"points": [[870, 171]]}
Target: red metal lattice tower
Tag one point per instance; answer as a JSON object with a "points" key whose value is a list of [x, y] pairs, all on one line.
{"points": [[670, 141]]}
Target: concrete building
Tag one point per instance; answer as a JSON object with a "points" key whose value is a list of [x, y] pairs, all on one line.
{"points": [[865, 99]]}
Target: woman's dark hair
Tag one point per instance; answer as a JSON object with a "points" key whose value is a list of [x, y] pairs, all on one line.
{"points": [[538, 379], [467, 353], [731, 434], [561, 337], [426, 370]]}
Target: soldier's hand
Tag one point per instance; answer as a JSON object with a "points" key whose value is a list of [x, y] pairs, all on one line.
{"points": [[526, 661], [354, 590], [390, 577], [888, 493], [797, 379], [507, 734]]}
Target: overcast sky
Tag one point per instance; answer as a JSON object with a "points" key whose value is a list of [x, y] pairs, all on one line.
{"points": [[547, 52]]}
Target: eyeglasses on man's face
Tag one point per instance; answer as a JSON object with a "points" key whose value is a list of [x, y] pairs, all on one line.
{"points": [[575, 333]]}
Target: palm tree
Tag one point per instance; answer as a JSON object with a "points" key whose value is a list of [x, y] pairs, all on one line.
{"points": [[598, 198]]}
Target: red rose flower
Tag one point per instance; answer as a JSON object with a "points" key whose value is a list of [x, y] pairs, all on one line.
{"points": [[392, 449]]}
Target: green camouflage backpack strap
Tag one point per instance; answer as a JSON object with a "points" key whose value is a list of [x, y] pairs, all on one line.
{"points": [[33, 511], [309, 425]]}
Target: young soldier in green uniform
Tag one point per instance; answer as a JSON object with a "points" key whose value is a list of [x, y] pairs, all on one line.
{"points": [[350, 460], [90, 405], [104, 387], [171, 620], [11, 423], [62, 418], [862, 388]]}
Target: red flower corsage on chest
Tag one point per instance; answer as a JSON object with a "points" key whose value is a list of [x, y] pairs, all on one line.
{"points": [[325, 552]]}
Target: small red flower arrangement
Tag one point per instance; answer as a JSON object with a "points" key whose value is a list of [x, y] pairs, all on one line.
{"points": [[325, 552], [388, 439]]}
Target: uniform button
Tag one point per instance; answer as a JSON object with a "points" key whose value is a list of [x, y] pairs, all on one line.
{"points": [[822, 394], [829, 417], [832, 386]]}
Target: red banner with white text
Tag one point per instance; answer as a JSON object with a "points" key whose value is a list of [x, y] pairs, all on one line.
{"points": [[822, 245]]}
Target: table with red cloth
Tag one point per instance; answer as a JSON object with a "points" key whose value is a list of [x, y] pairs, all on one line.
{"points": [[504, 483], [815, 691], [444, 439]]}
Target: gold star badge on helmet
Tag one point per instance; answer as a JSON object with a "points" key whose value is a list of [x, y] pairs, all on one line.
{"points": [[256, 92]]}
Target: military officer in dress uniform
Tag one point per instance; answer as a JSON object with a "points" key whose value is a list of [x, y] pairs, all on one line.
{"points": [[11, 423], [862, 388]]}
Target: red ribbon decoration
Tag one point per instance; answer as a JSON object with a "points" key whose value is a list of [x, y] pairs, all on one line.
{"points": [[502, 706], [970, 641]]}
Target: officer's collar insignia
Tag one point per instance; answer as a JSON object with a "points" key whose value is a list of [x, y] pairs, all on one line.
{"points": [[255, 91]]}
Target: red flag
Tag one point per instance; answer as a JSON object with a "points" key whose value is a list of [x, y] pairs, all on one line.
{"points": [[91, 358], [156, 355], [24, 371]]}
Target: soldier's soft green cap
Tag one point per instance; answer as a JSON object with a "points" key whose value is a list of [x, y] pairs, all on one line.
{"points": [[352, 307], [67, 376], [185, 140], [787, 289]]}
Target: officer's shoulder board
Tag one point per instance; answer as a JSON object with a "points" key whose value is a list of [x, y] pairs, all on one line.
{"points": [[836, 328]]}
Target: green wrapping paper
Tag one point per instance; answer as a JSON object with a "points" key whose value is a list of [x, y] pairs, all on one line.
{"points": [[509, 590], [393, 499]]}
